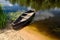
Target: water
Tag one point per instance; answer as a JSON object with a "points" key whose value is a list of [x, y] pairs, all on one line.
{"points": [[48, 18], [15, 9]]}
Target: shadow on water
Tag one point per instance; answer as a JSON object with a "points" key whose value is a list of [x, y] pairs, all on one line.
{"points": [[48, 27]]}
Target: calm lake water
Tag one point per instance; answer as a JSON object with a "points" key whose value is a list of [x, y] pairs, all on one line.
{"points": [[48, 18], [8, 7]]}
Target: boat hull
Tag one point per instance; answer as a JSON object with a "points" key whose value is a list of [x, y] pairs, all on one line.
{"points": [[24, 23]]}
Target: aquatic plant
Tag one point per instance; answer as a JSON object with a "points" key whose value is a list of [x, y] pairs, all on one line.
{"points": [[14, 15], [3, 18]]}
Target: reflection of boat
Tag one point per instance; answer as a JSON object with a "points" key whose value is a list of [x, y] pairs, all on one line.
{"points": [[23, 20]]}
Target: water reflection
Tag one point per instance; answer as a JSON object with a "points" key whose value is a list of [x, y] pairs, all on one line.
{"points": [[8, 7], [38, 4], [14, 8], [48, 20], [5, 3]]}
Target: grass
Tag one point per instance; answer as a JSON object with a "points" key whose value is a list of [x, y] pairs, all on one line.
{"points": [[3, 19]]}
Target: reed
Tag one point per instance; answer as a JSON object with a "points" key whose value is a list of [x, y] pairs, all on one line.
{"points": [[3, 18]]}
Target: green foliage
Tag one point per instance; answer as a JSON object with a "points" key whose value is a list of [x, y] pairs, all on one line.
{"points": [[3, 19], [38, 4], [14, 15]]}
